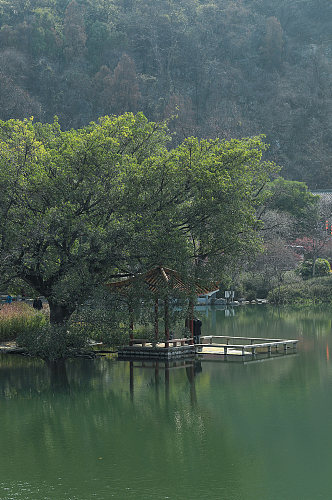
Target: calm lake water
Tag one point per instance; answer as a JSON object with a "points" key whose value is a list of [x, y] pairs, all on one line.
{"points": [[260, 430]]}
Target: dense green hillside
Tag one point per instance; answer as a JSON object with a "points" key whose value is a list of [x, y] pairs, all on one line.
{"points": [[228, 68]]}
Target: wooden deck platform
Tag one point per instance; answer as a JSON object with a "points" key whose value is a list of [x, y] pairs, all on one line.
{"points": [[143, 349], [243, 346], [210, 346]]}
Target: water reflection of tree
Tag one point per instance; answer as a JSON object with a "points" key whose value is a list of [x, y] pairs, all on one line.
{"points": [[29, 377], [21, 376], [97, 413], [218, 416]]}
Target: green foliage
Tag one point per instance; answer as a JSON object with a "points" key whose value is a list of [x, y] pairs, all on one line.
{"points": [[104, 318], [76, 210], [314, 291], [17, 287], [52, 342], [291, 196], [81, 205], [322, 268], [256, 285], [18, 318], [305, 269]]}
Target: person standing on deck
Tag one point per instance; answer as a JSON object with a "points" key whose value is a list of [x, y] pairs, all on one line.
{"points": [[197, 330]]}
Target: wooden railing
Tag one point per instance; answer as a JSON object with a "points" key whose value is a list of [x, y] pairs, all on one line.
{"points": [[173, 342], [244, 347]]}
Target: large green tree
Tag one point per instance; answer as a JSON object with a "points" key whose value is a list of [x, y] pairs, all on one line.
{"points": [[79, 206]]}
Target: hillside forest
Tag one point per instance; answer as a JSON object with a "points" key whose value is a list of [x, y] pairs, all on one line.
{"points": [[215, 68]]}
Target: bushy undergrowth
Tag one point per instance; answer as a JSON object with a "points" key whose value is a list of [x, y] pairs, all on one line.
{"points": [[19, 317], [314, 291], [253, 285], [52, 342]]}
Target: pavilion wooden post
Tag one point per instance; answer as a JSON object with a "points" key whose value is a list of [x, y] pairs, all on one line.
{"points": [[191, 320], [166, 323], [156, 323], [131, 323]]}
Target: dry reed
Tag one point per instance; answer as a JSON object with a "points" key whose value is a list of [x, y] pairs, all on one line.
{"points": [[18, 317]]}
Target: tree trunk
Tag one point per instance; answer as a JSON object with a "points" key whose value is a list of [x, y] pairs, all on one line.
{"points": [[59, 313]]}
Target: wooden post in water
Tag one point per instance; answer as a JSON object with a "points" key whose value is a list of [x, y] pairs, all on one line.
{"points": [[131, 379], [156, 380], [156, 372], [167, 381]]}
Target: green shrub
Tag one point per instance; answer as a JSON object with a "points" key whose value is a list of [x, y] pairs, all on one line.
{"points": [[52, 342], [322, 268], [314, 291], [256, 285], [291, 277], [251, 295]]}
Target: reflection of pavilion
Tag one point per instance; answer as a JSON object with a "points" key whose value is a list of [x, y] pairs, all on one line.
{"points": [[191, 367]]}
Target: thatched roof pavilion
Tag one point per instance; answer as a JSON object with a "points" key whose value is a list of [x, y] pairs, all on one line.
{"points": [[159, 280]]}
